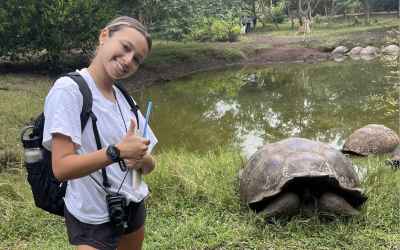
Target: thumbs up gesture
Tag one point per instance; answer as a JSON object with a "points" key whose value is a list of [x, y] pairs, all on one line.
{"points": [[132, 146]]}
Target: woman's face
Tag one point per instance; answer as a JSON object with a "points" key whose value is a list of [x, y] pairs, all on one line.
{"points": [[122, 53]]}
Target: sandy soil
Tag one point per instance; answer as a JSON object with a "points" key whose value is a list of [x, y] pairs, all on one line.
{"points": [[277, 53]]}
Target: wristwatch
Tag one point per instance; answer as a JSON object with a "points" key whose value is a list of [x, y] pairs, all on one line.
{"points": [[113, 153]]}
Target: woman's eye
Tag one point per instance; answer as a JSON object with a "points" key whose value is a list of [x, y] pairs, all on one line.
{"points": [[136, 60], [124, 46]]}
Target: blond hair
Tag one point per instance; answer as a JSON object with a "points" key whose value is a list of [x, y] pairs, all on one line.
{"points": [[124, 21]]}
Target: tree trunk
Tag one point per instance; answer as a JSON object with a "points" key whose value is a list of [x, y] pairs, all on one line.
{"points": [[276, 23], [300, 12], [261, 20], [367, 17], [331, 14], [289, 14]]}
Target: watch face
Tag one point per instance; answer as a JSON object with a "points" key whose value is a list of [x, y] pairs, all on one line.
{"points": [[112, 152]]}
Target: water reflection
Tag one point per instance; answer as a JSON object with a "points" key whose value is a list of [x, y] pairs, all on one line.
{"points": [[253, 105]]}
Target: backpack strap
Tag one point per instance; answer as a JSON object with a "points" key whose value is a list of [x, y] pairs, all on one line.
{"points": [[134, 107], [85, 114], [86, 93]]}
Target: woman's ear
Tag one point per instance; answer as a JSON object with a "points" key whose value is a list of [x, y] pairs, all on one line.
{"points": [[104, 35]]}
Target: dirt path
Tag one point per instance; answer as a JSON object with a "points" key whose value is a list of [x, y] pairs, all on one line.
{"points": [[277, 53]]}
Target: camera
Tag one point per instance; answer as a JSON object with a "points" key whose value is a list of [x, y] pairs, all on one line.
{"points": [[117, 210]]}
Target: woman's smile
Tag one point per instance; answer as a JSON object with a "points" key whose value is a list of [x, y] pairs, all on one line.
{"points": [[119, 66]]}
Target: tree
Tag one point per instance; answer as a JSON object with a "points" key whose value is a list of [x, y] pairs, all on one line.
{"points": [[369, 6], [331, 10], [51, 30], [349, 6], [309, 6], [287, 3], [275, 13]]}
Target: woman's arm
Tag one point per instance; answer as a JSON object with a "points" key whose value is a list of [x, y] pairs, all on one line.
{"points": [[67, 165]]}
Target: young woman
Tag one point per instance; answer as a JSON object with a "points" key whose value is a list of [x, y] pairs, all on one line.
{"points": [[124, 44]]}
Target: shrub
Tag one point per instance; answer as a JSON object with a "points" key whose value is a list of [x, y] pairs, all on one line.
{"points": [[317, 18], [51, 31], [223, 31], [356, 21]]}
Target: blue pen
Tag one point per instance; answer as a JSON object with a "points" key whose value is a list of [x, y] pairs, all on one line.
{"points": [[147, 120]]}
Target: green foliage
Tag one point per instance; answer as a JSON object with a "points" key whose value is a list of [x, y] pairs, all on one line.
{"points": [[181, 20], [50, 30], [356, 21], [276, 13], [225, 31], [349, 6], [317, 19], [389, 102]]}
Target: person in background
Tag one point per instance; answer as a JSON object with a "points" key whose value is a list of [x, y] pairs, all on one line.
{"points": [[248, 24], [243, 23], [255, 22]]}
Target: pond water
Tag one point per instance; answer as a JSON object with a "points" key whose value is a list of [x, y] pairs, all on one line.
{"points": [[252, 105]]}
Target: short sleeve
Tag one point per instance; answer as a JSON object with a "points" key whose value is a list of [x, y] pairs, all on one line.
{"points": [[62, 112]]}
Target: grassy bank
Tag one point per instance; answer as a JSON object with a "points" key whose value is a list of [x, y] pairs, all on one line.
{"points": [[159, 59], [194, 201], [340, 27]]}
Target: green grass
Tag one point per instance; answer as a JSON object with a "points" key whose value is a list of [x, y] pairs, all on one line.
{"points": [[194, 201], [339, 27]]}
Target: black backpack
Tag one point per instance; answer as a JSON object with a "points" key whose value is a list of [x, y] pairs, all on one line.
{"points": [[47, 191]]}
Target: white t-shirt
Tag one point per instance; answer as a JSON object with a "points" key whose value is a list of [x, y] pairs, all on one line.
{"points": [[84, 198]]}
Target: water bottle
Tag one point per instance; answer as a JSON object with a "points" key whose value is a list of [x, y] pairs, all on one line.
{"points": [[34, 152]]}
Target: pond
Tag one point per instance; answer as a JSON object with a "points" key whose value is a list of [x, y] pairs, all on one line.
{"points": [[252, 105]]}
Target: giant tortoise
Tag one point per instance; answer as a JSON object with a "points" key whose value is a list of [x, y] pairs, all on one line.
{"points": [[340, 50], [355, 50], [283, 177], [391, 49], [371, 139], [369, 50]]}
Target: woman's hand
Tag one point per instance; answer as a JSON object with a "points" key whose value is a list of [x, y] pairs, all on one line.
{"points": [[146, 164], [132, 146]]}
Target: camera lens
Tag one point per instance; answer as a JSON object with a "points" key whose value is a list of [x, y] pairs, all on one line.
{"points": [[117, 213]]}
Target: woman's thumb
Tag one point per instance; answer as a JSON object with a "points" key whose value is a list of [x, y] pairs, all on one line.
{"points": [[133, 125]]}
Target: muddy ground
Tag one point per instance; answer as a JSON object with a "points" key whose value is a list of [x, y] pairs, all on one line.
{"points": [[278, 52]]}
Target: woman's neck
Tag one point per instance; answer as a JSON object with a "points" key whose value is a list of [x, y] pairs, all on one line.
{"points": [[103, 82]]}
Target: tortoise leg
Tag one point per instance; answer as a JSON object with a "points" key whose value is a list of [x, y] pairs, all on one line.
{"points": [[331, 204], [287, 204]]}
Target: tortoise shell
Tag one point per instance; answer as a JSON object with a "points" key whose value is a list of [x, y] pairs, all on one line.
{"points": [[340, 49], [371, 139], [276, 166], [355, 50], [391, 49], [369, 50]]}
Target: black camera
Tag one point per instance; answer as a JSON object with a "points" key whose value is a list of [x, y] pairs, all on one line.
{"points": [[117, 210]]}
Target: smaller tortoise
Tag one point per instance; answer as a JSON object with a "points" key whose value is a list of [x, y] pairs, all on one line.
{"points": [[369, 50], [283, 177], [355, 50], [340, 50], [371, 139]]}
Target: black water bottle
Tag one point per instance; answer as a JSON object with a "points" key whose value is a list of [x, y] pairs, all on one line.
{"points": [[34, 152]]}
